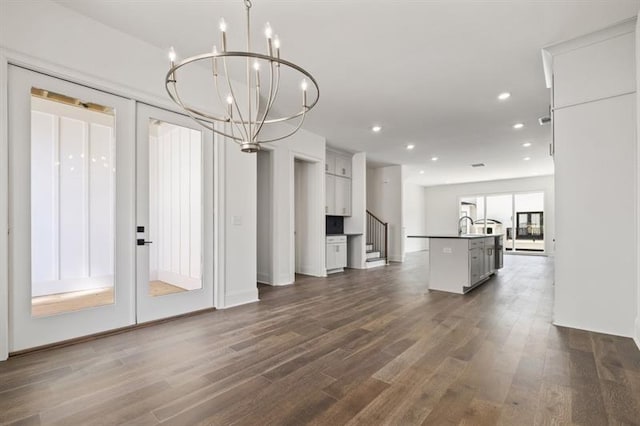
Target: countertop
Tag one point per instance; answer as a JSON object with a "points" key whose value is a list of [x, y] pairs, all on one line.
{"points": [[463, 236], [340, 235]]}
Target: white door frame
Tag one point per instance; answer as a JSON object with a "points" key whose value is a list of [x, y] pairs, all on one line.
{"points": [[318, 219], [271, 279], [4, 210]]}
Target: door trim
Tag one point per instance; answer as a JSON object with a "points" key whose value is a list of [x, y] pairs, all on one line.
{"points": [[4, 211]]}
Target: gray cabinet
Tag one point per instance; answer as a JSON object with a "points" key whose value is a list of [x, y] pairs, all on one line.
{"points": [[476, 265]]}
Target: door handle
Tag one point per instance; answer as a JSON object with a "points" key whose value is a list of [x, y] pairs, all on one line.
{"points": [[142, 242]]}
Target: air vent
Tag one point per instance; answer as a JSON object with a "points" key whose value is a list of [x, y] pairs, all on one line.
{"points": [[544, 120], [478, 165]]}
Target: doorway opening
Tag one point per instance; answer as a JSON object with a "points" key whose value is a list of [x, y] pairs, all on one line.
{"points": [[304, 178], [264, 223]]}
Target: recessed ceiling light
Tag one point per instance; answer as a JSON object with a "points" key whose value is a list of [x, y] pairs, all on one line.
{"points": [[527, 158], [410, 147], [526, 144], [518, 126], [434, 158], [421, 172], [376, 128], [504, 96]]}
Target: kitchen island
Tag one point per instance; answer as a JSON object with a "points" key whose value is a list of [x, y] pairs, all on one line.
{"points": [[459, 263]]}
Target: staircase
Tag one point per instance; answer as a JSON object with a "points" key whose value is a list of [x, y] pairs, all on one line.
{"points": [[377, 241]]}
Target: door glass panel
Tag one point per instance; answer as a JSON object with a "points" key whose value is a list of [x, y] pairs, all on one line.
{"points": [[529, 222], [499, 217], [175, 208], [72, 204], [472, 207]]}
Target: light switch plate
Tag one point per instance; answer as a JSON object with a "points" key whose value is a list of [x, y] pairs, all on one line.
{"points": [[447, 250]]}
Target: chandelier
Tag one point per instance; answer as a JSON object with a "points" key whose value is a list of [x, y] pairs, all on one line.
{"points": [[246, 111]]}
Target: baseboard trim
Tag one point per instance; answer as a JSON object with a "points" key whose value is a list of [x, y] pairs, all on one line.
{"points": [[237, 299], [636, 338], [90, 337], [594, 330]]}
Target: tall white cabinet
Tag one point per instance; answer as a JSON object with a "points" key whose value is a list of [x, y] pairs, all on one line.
{"points": [[595, 154], [338, 183]]}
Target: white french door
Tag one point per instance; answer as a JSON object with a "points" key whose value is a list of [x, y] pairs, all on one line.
{"points": [[174, 182], [71, 210], [110, 212]]}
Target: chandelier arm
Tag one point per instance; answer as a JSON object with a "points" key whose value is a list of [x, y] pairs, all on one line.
{"points": [[193, 114], [257, 56], [230, 118], [273, 99], [248, 66], [235, 102], [287, 135], [277, 86], [269, 100]]}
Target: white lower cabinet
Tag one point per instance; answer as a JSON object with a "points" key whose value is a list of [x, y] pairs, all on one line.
{"points": [[336, 253]]}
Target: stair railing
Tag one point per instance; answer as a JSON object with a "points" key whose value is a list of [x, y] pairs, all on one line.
{"points": [[378, 234]]}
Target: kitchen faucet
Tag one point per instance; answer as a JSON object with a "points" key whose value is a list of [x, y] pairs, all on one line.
{"points": [[460, 223]]}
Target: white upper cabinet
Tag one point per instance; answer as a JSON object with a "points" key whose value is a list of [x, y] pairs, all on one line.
{"points": [[343, 196], [343, 166], [599, 70], [330, 188], [338, 184], [330, 163]]}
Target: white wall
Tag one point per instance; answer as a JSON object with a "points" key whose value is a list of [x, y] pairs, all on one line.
{"points": [[83, 50], [414, 213], [384, 200], [311, 148], [596, 175], [442, 202]]}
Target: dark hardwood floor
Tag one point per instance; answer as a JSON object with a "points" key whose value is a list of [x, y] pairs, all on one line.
{"points": [[364, 347]]}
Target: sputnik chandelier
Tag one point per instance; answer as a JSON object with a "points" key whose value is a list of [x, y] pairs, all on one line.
{"points": [[245, 119]]}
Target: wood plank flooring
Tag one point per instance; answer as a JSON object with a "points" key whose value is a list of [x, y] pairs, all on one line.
{"points": [[360, 348]]}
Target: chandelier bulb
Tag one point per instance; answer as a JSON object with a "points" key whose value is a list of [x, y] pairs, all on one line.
{"points": [[268, 32], [172, 54], [214, 50], [223, 25], [276, 42], [304, 85], [229, 99], [256, 65]]}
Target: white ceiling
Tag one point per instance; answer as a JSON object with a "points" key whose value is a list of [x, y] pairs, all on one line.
{"points": [[429, 72]]}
